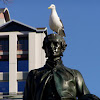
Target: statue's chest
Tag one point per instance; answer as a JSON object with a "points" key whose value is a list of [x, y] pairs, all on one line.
{"points": [[62, 81], [65, 83]]}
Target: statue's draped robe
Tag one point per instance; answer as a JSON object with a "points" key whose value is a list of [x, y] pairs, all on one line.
{"points": [[65, 83]]}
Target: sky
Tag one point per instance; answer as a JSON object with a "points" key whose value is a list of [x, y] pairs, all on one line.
{"points": [[81, 20]]}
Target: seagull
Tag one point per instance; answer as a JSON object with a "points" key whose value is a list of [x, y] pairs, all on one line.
{"points": [[55, 22]]}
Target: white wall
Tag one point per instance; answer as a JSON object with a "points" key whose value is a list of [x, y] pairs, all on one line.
{"points": [[36, 55]]}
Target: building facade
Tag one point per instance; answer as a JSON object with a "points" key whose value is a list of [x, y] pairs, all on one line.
{"points": [[20, 51]]}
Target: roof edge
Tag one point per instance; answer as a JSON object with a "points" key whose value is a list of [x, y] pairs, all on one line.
{"points": [[36, 29]]}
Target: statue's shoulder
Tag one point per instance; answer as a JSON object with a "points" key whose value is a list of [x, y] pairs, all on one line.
{"points": [[70, 70], [35, 72], [77, 73], [74, 72]]}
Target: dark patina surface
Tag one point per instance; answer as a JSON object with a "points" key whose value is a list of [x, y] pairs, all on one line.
{"points": [[54, 81]]}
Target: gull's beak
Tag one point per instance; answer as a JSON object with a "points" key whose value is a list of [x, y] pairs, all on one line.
{"points": [[49, 7]]}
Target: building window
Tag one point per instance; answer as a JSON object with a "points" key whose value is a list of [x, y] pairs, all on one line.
{"points": [[4, 66], [22, 43], [4, 44], [22, 65], [21, 86], [4, 87]]}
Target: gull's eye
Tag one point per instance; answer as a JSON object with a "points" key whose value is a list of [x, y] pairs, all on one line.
{"points": [[53, 6]]}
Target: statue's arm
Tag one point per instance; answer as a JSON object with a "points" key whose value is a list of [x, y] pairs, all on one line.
{"points": [[27, 91], [80, 85]]}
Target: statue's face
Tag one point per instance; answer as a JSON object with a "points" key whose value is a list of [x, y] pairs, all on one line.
{"points": [[53, 48]]}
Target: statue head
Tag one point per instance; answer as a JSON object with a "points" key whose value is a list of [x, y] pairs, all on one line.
{"points": [[54, 45]]}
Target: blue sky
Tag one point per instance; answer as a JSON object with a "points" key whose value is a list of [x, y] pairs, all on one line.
{"points": [[81, 19]]}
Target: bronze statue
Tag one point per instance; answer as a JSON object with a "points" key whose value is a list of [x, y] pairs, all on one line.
{"points": [[54, 81]]}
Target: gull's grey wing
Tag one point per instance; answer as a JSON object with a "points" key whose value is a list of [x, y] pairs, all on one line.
{"points": [[62, 24]]}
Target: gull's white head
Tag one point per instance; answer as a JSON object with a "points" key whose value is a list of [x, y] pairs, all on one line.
{"points": [[52, 6]]}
